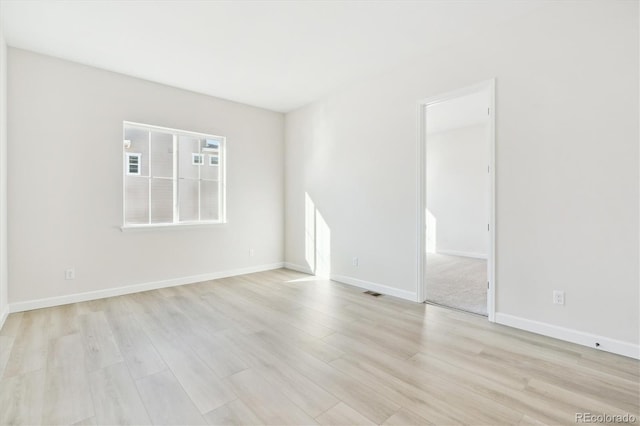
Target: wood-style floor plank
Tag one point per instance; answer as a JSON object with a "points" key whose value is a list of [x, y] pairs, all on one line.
{"points": [[342, 415], [204, 388], [91, 421], [353, 392], [63, 320], [21, 399], [67, 394], [134, 344], [6, 345], [234, 412], [305, 393], [281, 347], [100, 347], [29, 351], [12, 324], [166, 401], [271, 405], [405, 417], [115, 397], [221, 356]]}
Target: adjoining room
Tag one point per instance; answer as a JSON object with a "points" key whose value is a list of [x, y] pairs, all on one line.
{"points": [[459, 193]]}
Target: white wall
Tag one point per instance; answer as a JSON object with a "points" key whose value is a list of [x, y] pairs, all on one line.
{"points": [[567, 165], [458, 191], [65, 181], [3, 176]]}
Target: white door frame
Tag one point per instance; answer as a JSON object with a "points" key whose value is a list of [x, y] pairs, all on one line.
{"points": [[421, 290]]}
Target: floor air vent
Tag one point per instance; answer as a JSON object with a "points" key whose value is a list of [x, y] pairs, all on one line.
{"points": [[372, 293]]}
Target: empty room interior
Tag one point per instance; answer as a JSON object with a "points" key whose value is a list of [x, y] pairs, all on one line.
{"points": [[319, 212]]}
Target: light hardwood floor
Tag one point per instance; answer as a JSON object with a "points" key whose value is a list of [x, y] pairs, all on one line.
{"points": [[283, 348]]}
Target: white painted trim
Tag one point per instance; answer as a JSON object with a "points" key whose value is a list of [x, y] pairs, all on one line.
{"points": [[467, 90], [421, 290], [151, 127], [298, 268], [570, 335], [378, 288], [463, 254], [135, 288], [172, 225], [3, 316], [421, 197], [491, 259]]}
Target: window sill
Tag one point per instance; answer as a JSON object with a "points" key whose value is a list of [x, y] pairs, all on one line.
{"points": [[172, 226]]}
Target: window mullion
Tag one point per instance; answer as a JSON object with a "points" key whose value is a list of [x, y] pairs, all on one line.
{"points": [[222, 178], [149, 179], [221, 160], [200, 177], [176, 205]]}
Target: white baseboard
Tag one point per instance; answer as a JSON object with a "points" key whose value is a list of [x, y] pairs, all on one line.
{"points": [[298, 268], [463, 254], [4, 313], [570, 335], [135, 288], [378, 288]]}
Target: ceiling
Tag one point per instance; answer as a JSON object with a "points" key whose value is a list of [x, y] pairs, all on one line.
{"points": [[278, 55], [458, 112]]}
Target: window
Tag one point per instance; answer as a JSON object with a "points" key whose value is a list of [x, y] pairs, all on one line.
{"points": [[197, 159], [166, 178], [133, 163]]}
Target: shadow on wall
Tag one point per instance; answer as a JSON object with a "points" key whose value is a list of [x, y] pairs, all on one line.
{"points": [[317, 240]]}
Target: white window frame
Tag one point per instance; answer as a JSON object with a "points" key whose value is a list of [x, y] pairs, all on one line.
{"points": [[214, 157], [197, 159], [220, 153], [127, 166]]}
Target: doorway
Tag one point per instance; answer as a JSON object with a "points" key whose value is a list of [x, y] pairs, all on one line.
{"points": [[456, 198]]}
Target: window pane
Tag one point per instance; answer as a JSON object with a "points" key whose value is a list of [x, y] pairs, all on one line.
{"points": [[132, 163], [210, 144], [161, 200], [197, 159], [188, 199], [136, 200], [161, 154], [209, 171], [209, 200], [186, 147], [139, 143]]}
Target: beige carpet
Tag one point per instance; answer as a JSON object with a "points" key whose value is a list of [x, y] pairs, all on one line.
{"points": [[457, 282]]}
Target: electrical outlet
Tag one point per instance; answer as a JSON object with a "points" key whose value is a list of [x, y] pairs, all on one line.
{"points": [[355, 261], [70, 274], [252, 252], [558, 297]]}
